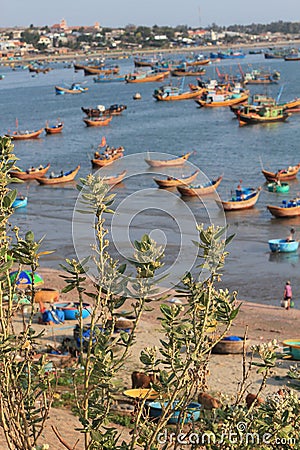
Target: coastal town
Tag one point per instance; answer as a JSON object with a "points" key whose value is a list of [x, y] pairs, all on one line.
{"points": [[62, 39]]}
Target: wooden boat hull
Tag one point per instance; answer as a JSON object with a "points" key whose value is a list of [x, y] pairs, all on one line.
{"points": [[200, 62], [254, 119], [115, 180], [97, 121], [292, 104], [108, 79], [54, 130], [187, 73], [30, 175], [93, 71], [278, 211], [95, 112], [148, 78], [239, 205], [173, 182], [97, 162], [188, 191], [230, 102], [169, 162], [58, 180], [283, 246], [184, 96], [274, 187], [61, 90], [30, 135], [282, 176]]}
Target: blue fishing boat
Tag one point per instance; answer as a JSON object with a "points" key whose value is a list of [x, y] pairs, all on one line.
{"points": [[75, 88], [20, 202], [283, 246]]}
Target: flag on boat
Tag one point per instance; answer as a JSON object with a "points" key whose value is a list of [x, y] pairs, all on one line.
{"points": [[103, 142], [17, 123]]}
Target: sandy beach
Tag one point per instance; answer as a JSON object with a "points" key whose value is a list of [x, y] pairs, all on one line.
{"points": [[264, 323]]}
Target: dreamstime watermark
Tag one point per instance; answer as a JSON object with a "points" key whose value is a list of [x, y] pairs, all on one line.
{"points": [[167, 218], [239, 437]]}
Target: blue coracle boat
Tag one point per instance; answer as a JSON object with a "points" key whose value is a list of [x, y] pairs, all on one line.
{"points": [[283, 246], [20, 202]]}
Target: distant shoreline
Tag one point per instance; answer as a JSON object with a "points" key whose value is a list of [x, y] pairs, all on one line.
{"points": [[124, 53]]}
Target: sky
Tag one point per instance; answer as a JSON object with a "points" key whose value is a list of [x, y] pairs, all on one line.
{"points": [[119, 13]]}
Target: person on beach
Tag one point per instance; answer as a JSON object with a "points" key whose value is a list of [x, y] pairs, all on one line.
{"points": [[287, 295]]}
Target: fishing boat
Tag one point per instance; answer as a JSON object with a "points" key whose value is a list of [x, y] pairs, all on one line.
{"points": [[144, 62], [188, 72], [173, 181], [172, 93], [64, 177], [179, 161], [262, 114], [278, 188], [283, 175], [114, 179], [213, 100], [243, 199], [55, 129], [94, 71], [109, 78], [100, 110], [21, 135], [197, 62], [283, 246], [97, 121], [75, 88], [289, 208], [198, 190], [107, 157], [20, 202], [30, 174], [146, 77]]}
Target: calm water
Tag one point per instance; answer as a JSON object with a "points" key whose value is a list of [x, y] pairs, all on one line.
{"points": [[220, 145]]}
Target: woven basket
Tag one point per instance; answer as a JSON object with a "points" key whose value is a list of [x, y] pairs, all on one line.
{"points": [[227, 347]]}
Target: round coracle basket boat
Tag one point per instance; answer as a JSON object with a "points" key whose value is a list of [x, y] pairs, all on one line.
{"points": [[293, 347], [149, 394], [71, 310], [231, 345]]}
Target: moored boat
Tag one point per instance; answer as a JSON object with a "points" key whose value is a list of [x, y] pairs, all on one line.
{"points": [[276, 187], [21, 135], [114, 179], [97, 121], [262, 114], [75, 88], [103, 71], [100, 110], [283, 246], [192, 72], [30, 174], [199, 190], [64, 177], [54, 129], [146, 77], [287, 209], [173, 93], [173, 181], [20, 202], [213, 100], [283, 175], [107, 157], [179, 161], [108, 78], [244, 199]]}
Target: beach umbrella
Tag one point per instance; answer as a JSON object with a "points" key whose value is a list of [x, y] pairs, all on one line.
{"points": [[25, 278]]}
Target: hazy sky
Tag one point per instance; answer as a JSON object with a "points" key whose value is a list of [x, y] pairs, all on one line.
{"points": [[118, 13]]}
